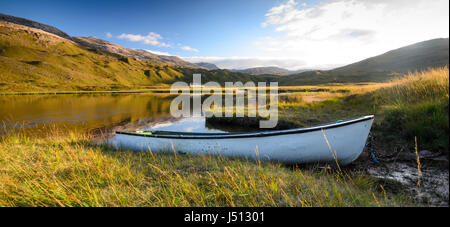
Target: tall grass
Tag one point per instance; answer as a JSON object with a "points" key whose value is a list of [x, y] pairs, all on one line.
{"points": [[68, 170], [429, 85], [291, 98], [417, 105], [414, 105]]}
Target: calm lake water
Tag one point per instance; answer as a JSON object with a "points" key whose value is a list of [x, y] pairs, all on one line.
{"points": [[96, 111]]}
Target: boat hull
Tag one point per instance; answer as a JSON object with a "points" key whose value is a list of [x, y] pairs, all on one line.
{"points": [[342, 143]]}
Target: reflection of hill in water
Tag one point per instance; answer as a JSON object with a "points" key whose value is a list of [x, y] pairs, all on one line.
{"points": [[85, 112], [104, 113]]}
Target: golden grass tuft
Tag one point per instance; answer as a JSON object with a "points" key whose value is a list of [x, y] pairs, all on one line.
{"points": [[432, 84]]}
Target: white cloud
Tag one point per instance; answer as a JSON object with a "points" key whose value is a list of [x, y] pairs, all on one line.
{"points": [[344, 31], [150, 39], [159, 52], [109, 35], [188, 48], [153, 39]]}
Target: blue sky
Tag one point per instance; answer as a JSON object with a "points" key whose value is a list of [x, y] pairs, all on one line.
{"points": [[247, 33], [211, 26]]}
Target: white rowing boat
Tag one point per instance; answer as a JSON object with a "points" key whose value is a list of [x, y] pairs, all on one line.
{"points": [[341, 141]]}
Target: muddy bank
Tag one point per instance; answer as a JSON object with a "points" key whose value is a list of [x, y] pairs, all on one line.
{"points": [[399, 173]]}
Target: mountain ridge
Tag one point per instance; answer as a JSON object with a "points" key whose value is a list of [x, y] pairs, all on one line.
{"points": [[415, 57], [34, 24], [269, 70], [406, 58], [143, 55], [102, 45], [209, 66]]}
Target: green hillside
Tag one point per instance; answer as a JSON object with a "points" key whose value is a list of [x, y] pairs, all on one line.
{"points": [[420, 56], [34, 60], [37, 61], [416, 57]]}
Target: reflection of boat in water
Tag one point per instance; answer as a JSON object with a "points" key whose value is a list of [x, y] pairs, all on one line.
{"points": [[342, 141]]}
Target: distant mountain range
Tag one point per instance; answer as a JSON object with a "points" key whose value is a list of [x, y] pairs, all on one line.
{"points": [[208, 66], [269, 71], [272, 70], [38, 57], [143, 55]]}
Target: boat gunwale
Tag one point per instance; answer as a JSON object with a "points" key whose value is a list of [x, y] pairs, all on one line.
{"points": [[177, 135]]}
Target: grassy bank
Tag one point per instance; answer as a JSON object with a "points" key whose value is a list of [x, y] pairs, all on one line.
{"points": [[329, 88], [67, 170], [415, 105]]}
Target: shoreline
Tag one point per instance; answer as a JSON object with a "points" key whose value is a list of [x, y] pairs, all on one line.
{"points": [[332, 88], [85, 92], [400, 175]]}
